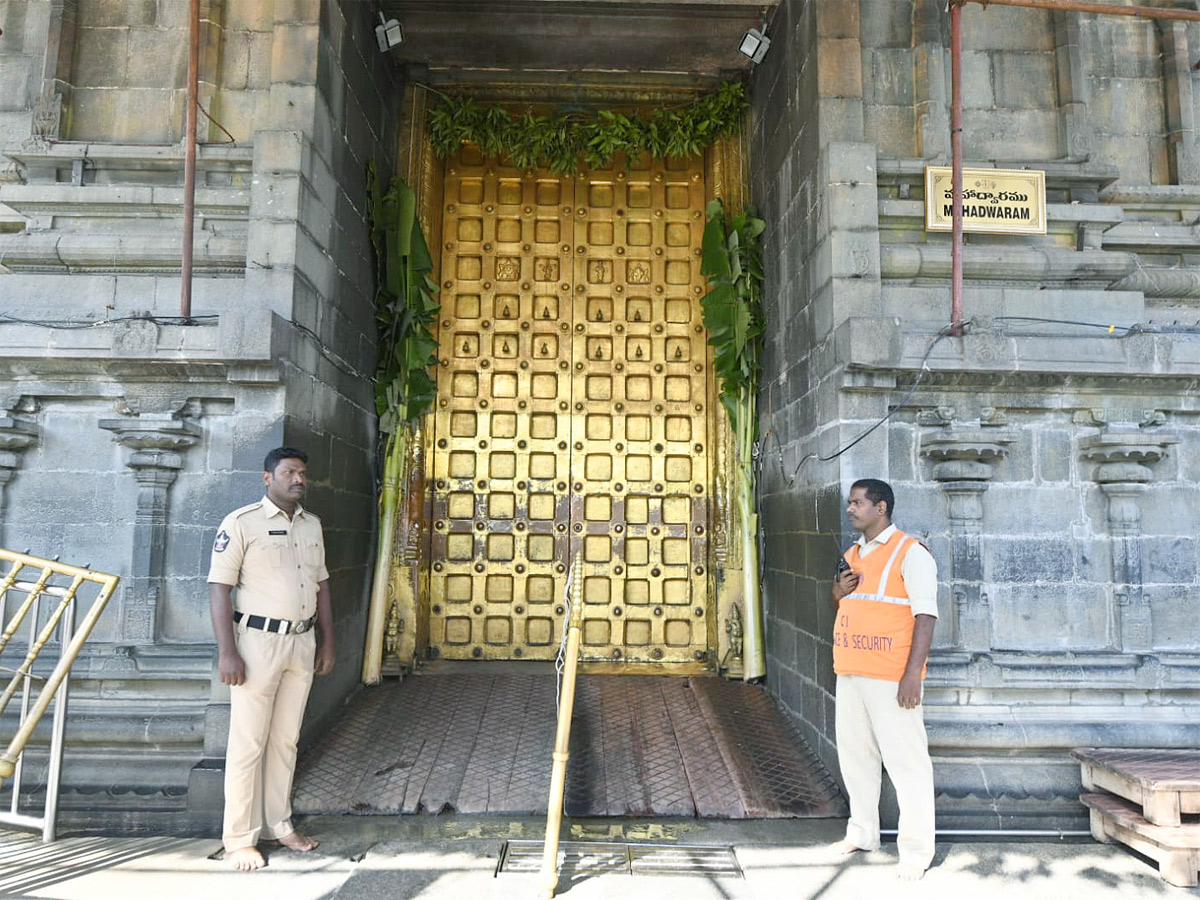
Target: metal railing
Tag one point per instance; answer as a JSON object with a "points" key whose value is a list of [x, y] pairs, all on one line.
{"points": [[46, 622]]}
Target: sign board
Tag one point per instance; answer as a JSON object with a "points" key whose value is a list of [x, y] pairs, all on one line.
{"points": [[995, 201]]}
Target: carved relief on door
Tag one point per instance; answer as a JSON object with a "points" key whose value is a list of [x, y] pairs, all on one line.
{"points": [[572, 413]]}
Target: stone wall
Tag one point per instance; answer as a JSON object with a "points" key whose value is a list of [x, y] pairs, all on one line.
{"points": [[813, 182], [128, 71], [280, 347], [1048, 464]]}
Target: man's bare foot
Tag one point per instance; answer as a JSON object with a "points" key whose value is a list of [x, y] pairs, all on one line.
{"points": [[294, 840], [845, 847], [245, 859], [907, 872]]}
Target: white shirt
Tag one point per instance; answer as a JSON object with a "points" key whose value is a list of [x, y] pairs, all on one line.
{"points": [[918, 570]]}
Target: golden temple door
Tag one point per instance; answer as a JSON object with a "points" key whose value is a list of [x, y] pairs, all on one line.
{"points": [[572, 414]]}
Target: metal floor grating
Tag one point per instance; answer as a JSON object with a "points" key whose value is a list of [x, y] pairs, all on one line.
{"points": [[595, 857], [640, 746]]}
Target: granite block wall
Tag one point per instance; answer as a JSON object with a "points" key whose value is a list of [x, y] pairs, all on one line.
{"points": [[1044, 456], [280, 347]]}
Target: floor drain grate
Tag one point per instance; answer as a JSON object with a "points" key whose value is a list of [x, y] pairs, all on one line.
{"points": [[596, 857]]}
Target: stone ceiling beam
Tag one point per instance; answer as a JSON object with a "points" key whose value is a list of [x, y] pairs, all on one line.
{"points": [[685, 37]]}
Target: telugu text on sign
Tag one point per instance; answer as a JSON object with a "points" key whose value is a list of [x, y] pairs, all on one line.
{"points": [[995, 201]]}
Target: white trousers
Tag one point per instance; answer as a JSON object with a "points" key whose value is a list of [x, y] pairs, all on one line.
{"points": [[265, 713], [873, 729]]}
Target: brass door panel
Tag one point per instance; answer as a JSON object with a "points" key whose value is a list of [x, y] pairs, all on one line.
{"points": [[639, 465], [572, 414]]}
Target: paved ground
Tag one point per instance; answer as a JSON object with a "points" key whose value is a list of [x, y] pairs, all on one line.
{"points": [[455, 857]]}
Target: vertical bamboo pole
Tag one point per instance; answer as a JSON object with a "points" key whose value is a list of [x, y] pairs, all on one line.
{"points": [[562, 740]]}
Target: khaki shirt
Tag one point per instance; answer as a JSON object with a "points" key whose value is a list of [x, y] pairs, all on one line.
{"points": [[918, 570], [274, 562]]}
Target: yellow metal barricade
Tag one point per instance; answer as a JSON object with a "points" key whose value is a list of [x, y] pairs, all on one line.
{"points": [[35, 579]]}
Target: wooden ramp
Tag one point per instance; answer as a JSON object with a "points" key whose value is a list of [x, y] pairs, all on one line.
{"points": [[1152, 805], [640, 746]]}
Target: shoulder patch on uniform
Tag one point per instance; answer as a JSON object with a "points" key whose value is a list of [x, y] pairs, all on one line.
{"points": [[221, 542]]}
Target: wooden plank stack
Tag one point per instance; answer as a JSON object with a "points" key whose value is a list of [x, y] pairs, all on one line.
{"points": [[1148, 800]]}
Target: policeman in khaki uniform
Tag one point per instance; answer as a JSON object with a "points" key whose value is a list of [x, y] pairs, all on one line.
{"points": [[886, 597], [273, 553]]}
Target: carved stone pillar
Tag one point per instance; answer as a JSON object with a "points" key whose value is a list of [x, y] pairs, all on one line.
{"points": [[1178, 102], [156, 443], [1076, 137], [963, 467], [930, 77], [16, 434], [1123, 472]]}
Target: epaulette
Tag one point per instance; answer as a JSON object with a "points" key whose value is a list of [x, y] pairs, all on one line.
{"points": [[248, 508]]}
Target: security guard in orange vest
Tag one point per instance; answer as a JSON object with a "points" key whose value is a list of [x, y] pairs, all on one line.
{"points": [[886, 597], [273, 553]]}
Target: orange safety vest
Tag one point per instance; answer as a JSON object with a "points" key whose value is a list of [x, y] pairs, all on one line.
{"points": [[873, 632]]}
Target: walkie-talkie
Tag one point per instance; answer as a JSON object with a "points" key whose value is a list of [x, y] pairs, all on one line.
{"points": [[842, 565]]}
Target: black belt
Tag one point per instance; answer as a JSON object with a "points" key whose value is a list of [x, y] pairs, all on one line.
{"points": [[275, 626]]}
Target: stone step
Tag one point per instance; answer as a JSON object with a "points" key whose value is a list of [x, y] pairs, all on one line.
{"points": [[1176, 850], [1165, 783]]}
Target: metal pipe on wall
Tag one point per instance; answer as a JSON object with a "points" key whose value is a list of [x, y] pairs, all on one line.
{"points": [[1090, 6], [189, 161], [956, 172], [956, 111]]}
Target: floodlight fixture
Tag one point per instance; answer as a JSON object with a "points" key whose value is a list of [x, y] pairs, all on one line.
{"points": [[388, 34], [755, 45]]}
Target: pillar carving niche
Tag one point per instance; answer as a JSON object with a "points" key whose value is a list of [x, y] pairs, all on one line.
{"points": [[964, 460], [156, 445], [1123, 471], [16, 435], [1178, 102], [1076, 137]]}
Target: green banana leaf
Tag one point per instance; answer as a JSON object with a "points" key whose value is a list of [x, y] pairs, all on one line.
{"points": [[405, 305]]}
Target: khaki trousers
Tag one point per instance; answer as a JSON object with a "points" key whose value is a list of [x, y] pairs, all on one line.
{"points": [[872, 728], [265, 713]]}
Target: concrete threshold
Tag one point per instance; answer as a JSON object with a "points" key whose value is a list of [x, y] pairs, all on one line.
{"points": [[455, 856]]}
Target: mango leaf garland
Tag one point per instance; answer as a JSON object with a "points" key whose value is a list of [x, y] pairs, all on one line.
{"points": [[559, 141]]}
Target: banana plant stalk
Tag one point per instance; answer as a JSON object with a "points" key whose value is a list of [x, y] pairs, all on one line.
{"points": [[404, 390], [390, 492], [732, 262]]}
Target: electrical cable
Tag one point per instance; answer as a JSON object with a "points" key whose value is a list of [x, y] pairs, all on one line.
{"points": [[337, 362], [232, 139], [75, 325], [1035, 319], [1126, 331], [760, 446]]}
